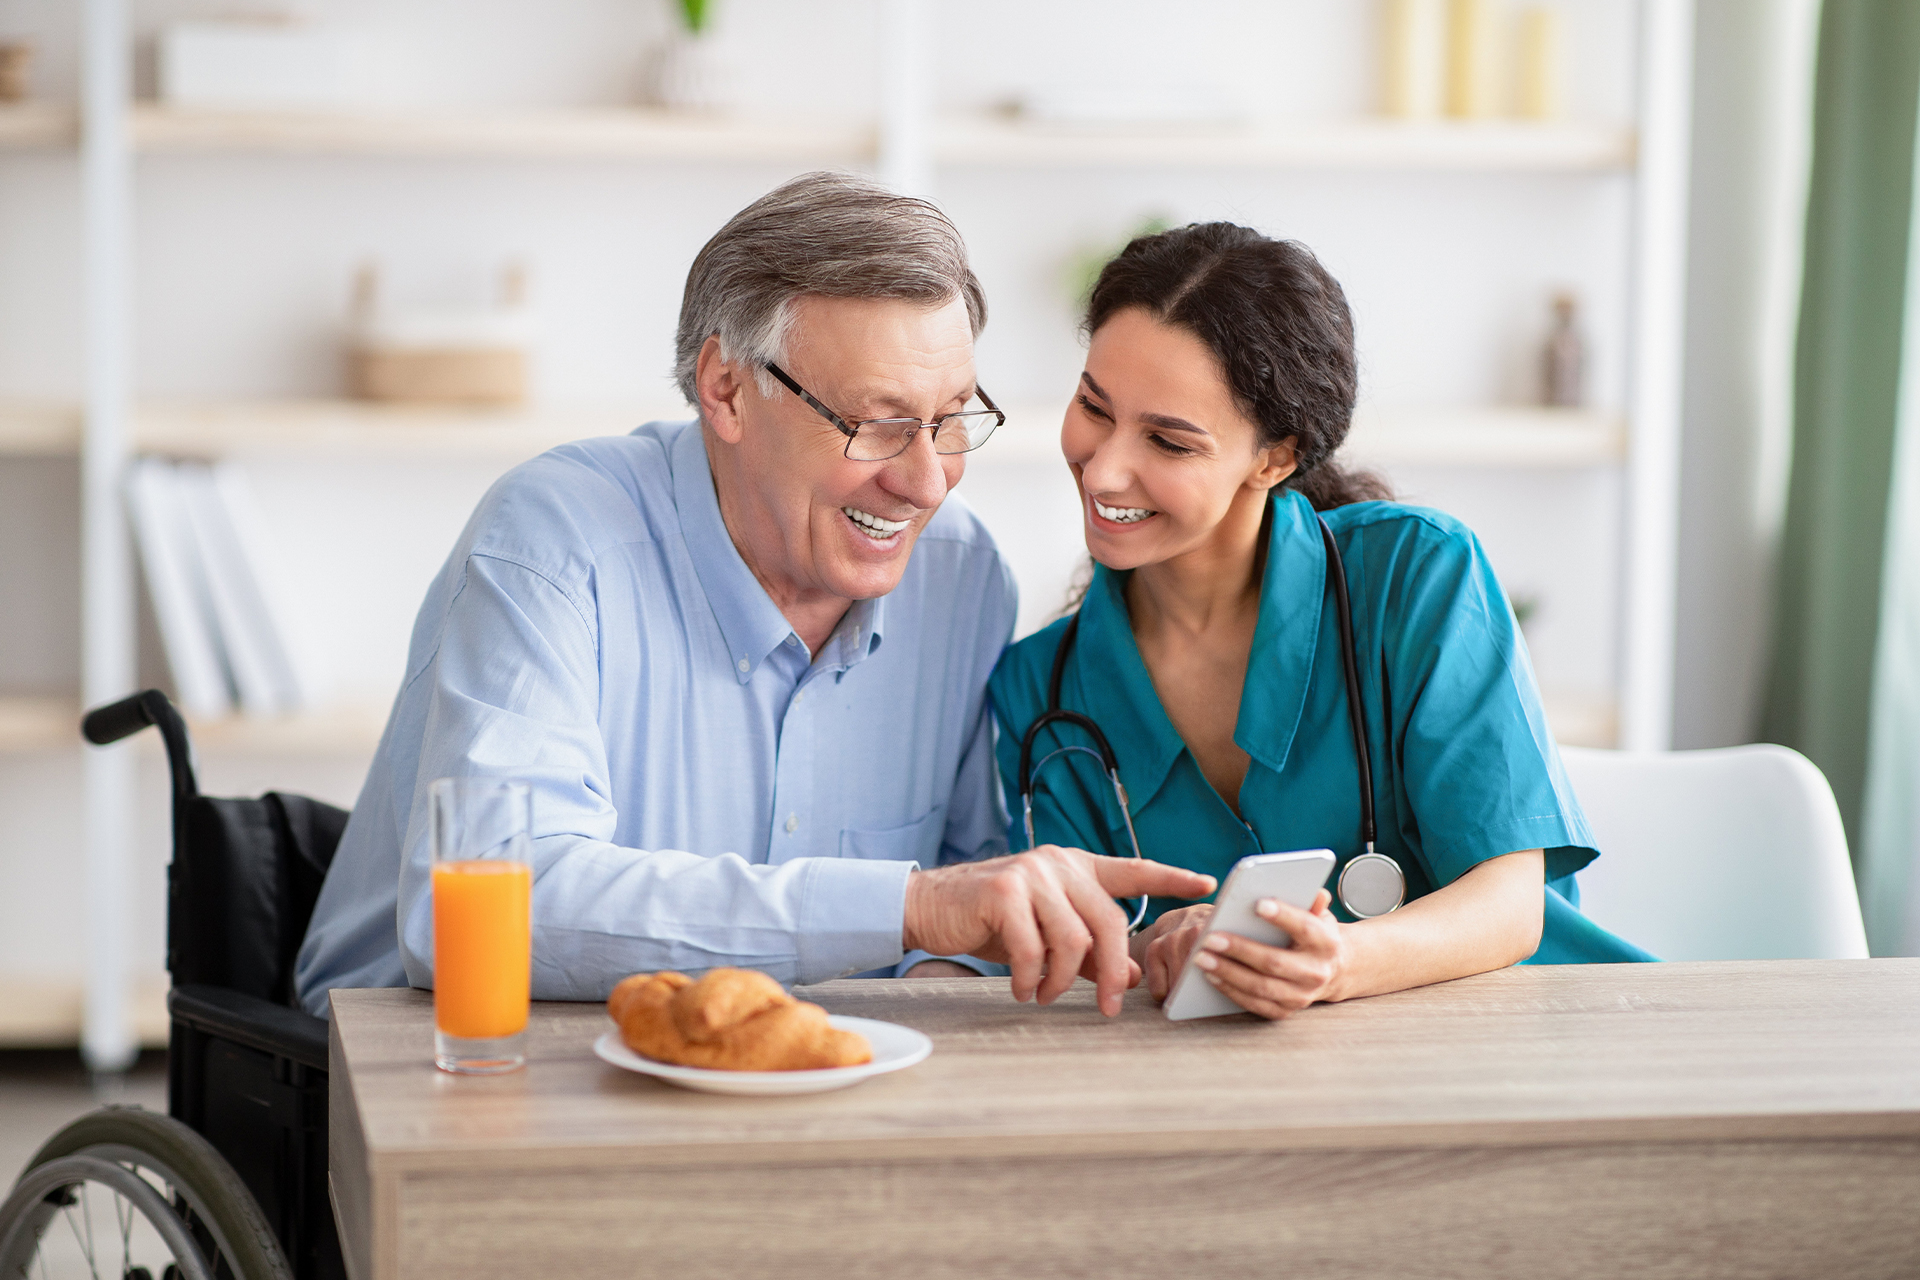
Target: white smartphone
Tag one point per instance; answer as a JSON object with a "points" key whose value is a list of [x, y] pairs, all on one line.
{"points": [[1290, 877]]}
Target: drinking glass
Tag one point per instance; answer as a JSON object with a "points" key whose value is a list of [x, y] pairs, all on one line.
{"points": [[482, 923]]}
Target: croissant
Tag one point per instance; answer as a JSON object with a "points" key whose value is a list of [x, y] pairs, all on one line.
{"points": [[729, 1020]]}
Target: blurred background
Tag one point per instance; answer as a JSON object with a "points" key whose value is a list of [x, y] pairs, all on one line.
{"points": [[286, 284]]}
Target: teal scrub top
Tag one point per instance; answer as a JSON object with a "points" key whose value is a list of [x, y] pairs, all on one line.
{"points": [[1464, 767]]}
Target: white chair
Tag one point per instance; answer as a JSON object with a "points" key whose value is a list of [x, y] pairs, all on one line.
{"points": [[1730, 854]]}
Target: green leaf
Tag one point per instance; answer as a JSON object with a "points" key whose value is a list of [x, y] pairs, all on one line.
{"points": [[696, 13], [1083, 269]]}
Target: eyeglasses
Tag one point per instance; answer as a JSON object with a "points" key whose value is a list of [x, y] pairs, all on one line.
{"points": [[877, 439]]}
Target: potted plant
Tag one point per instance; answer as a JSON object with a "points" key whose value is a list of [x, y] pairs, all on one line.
{"points": [[689, 72]]}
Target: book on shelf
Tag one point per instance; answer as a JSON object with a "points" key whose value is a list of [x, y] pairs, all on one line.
{"points": [[176, 588], [222, 624]]}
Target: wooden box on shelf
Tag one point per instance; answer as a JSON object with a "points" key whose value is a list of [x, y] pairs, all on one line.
{"points": [[412, 375]]}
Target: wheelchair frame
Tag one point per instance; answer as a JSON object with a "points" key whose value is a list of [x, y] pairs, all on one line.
{"points": [[245, 1068]]}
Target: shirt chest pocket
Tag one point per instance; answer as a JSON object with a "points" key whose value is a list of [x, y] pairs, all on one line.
{"points": [[917, 841]]}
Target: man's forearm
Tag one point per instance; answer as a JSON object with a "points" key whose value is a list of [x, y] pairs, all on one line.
{"points": [[601, 911]]}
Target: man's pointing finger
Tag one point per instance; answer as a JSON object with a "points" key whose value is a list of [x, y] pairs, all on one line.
{"points": [[1131, 877]]}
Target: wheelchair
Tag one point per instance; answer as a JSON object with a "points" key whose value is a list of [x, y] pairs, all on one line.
{"points": [[230, 1184]]}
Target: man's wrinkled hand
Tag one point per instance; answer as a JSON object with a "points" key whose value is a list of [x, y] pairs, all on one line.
{"points": [[1049, 914]]}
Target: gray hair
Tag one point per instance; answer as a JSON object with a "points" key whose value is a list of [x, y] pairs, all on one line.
{"points": [[830, 234]]}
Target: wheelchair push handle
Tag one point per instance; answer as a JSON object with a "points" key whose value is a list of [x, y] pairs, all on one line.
{"points": [[109, 724], [121, 719]]}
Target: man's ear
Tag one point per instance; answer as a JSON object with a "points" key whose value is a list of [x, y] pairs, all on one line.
{"points": [[1276, 464], [721, 388]]}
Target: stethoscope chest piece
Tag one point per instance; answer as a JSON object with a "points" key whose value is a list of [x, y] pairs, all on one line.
{"points": [[1370, 885]]}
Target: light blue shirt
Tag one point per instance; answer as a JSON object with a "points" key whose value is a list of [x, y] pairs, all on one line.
{"points": [[705, 791]]}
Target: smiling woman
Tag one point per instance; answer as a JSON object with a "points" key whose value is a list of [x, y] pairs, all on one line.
{"points": [[1209, 648]]}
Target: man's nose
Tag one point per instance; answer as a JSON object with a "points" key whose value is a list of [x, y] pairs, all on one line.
{"points": [[915, 474]]}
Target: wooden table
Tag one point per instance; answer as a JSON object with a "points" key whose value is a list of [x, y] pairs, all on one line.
{"points": [[1622, 1120]]}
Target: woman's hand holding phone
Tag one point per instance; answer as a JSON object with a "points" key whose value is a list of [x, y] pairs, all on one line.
{"points": [[1271, 982]]}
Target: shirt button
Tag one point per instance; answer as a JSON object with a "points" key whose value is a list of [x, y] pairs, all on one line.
{"points": [[793, 823], [743, 664]]}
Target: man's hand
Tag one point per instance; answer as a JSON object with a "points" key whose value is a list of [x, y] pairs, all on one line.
{"points": [[1048, 913]]}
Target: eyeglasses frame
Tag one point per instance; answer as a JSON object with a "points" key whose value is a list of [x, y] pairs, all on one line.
{"points": [[851, 430]]}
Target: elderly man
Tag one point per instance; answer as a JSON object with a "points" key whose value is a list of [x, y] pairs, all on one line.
{"points": [[742, 662]]}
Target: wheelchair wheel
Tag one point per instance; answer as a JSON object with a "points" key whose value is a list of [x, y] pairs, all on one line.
{"points": [[134, 1195]]}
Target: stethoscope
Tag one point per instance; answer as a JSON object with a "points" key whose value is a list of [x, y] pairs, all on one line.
{"points": [[1371, 884]]}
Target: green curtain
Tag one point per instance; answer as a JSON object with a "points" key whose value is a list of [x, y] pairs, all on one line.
{"points": [[1847, 388]]}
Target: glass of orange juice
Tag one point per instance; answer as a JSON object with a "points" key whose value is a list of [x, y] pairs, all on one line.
{"points": [[482, 923]]}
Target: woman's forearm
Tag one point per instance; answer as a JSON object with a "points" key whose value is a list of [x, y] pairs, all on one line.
{"points": [[1487, 919]]}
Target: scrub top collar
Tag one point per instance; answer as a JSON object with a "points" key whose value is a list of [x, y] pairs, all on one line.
{"points": [[750, 622], [1119, 692]]}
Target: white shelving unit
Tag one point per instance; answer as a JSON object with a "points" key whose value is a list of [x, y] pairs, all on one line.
{"points": [[642, 134], [1500, 437], [908, 144]]}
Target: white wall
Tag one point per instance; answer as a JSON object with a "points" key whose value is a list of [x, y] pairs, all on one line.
{"points": [[1752, 117]]}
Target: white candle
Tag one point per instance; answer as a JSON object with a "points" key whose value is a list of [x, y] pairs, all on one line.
{"points": [[1542, 71], [1473, 89], [1413, 70]]}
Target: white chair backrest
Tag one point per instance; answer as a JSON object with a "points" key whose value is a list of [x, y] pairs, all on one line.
{"points": [[1731, 854]]}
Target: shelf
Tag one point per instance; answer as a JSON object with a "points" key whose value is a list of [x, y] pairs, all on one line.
{"points": [[40, 725], [1497, 436], [640, 133], [45, 1013], [361, 428], [1494, 437], [36, 125], [31, 429], [630, 133], [357, 428], [1519, 437], [1581, 719], [612, 133], [1346, 144]]}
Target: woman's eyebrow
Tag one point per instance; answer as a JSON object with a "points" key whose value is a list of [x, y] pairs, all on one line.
{"points": [[1166, 422], [1162, 421]]}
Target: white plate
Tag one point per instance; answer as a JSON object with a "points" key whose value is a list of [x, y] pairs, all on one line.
{"points": [[894, 1048]]}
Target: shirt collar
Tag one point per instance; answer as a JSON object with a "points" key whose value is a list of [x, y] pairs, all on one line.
{"points": [[1119, 692], [1286, 639], [750, 622]]}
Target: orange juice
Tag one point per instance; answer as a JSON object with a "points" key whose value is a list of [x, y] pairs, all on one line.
{"points": [[482, 947]]}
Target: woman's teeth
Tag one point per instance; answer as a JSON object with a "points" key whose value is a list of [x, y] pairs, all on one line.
{"points": [[873, 526], [1122, 515]]}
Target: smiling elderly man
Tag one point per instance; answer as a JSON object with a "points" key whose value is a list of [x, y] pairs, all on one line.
{"points": [[742, 661]]}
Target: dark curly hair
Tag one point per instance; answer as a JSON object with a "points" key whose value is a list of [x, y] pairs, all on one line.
{"points": [[1277, 322]]}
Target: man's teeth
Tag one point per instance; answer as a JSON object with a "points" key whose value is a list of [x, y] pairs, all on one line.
{"points": [[1121, 515], [873, 526]]}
